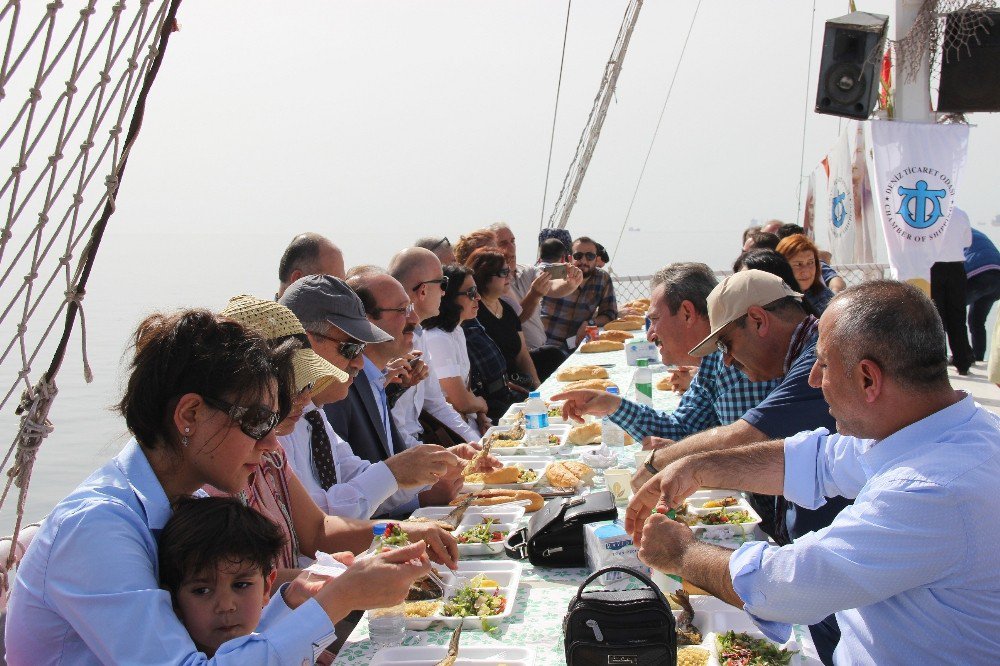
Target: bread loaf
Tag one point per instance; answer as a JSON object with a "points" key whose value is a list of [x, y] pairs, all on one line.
{"points": [[623, 325], [616, 336], [596, 384], [580, 372], [600, 346]]}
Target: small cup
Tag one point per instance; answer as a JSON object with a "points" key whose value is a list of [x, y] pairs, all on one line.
{"points": [[640, 458], [619, 482]]}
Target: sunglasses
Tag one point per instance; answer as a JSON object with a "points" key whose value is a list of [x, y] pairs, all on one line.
{"points": [[580, 255], [443, 241], [443, 281], [255, 422], [406, 311], [721, 344], [472, 293], [349, 350], [503, 272]]}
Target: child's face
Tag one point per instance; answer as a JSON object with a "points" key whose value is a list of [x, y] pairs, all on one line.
{"points": [[221, 604]]}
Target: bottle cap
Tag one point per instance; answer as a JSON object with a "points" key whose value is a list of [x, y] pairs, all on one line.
{"points": [[379, 529], [535, 394], [613, 390], [642, 362]]}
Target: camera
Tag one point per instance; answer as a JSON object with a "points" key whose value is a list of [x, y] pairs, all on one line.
{"points": [[557, 271]]}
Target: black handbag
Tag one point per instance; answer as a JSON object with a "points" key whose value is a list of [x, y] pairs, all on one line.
{"points": [[630, 627], [554, 535]]}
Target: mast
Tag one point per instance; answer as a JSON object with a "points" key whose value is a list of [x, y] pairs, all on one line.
{"points": [[578, 168], [912, 95]]}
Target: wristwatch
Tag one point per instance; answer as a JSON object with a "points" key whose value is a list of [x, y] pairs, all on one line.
{"points": [[649, 463]]}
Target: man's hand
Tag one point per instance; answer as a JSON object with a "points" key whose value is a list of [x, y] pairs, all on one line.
{"points": [[468, 452], [406, 371], [667, 490], [650, 443], [441, 545], [581, 334], [483, 421], [587, 401], [442, 492], [542, 284], [574, 275], [680, 378], [423, 465], [664, 542]]}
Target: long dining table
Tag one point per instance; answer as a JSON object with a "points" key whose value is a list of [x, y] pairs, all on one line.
{"points": [[544, 593]]}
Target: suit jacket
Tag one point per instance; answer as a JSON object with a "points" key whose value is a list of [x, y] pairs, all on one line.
{"points": [[358, 421]]}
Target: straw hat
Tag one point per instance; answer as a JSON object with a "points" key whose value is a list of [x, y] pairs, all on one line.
{"points": [[275, 321]]}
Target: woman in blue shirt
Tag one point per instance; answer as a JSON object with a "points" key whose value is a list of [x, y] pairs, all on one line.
{"points": [[202, 401]]}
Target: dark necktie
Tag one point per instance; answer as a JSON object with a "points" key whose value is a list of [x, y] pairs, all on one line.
{"points": [[322, 454]]}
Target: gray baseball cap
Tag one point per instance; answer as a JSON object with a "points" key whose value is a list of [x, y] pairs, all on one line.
{"points": [[326, 298]]}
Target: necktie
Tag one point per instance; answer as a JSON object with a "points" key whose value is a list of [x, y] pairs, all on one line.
{"points": [[322, 454]]}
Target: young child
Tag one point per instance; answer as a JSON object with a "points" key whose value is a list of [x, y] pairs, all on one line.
{"points": [[217, 561]]}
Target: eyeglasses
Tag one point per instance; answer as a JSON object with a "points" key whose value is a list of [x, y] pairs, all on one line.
{"points": [[721, 344], [799, 265], [472, 293], [589, 255], [349, 350], [443, 241], [443, 281], [406, 310], [503, 272], [255, 422]]}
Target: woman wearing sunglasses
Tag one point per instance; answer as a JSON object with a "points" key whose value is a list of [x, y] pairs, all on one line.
{"points": [[445, 340], [498, 318], [202, 400]]}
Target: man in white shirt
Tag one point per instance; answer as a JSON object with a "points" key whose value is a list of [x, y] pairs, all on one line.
{"points": [[360, 487], [419, 271]]}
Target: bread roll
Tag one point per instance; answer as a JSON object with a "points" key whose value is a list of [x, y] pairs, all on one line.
{"points": [[596, 384], [663, 383], [582, 470], [503, 475], [639, 318], [588, 433], [616, 336], [623, 325], [600, 346], [492, 496], [579, 372], [569, 474]]}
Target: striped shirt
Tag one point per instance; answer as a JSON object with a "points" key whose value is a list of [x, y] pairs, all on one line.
{"points": [[562, 317]]}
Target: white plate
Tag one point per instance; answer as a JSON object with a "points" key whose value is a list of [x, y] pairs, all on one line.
{"points": [[430, 655], [560, 431], [508, 574], [698, 504], [727, 530], [519, 407], [474, 514], [538, 467], [483, 549]]}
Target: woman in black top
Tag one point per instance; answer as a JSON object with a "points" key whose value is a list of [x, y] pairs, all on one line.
{"points": [[489, 268]]}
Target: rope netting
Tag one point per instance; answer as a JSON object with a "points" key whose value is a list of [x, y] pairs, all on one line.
{"points": [[72, 76]]}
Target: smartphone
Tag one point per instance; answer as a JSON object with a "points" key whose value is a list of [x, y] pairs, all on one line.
{"points": [[557, 271]]}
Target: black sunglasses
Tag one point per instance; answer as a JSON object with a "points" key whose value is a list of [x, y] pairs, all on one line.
{"points": [[255, 422], [503, 272], [349, 350], [472, 293], [443, 241], [580, 255], [443, 281]]}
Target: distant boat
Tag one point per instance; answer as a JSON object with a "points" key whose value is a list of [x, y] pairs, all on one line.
{"points": [[638, 229]]}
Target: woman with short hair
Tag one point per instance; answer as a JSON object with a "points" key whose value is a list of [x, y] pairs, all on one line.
{"points": [[804, 258]]}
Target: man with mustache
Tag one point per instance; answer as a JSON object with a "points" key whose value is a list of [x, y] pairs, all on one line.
{"points": [[365, 418], [339, 481], [592, 304]]}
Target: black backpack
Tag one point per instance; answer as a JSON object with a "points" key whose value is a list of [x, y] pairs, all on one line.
{"points": [[620, 627]]}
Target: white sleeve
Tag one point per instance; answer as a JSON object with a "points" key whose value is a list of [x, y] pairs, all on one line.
{"points": [[361, 486], [444, 358], [441, 409]]}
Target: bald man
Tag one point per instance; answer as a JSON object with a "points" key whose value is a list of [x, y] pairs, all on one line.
{"points": [[309, 254], [419, 271]]}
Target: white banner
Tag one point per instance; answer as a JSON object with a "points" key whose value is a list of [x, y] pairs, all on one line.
{"points": [[839, 200], [916, 168]]}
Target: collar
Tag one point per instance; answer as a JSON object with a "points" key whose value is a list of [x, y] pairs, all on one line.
{"points": [[922, 433], [802, 333], [374, 374], [140, 477]]}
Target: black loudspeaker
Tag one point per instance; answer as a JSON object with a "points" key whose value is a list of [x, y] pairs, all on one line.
{"points": [[970, 72], [852, 55]]}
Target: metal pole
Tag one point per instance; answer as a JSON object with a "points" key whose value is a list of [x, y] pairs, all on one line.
{"points": [[912, 98]]}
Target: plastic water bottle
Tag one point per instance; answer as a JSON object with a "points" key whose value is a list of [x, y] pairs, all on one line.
{"points": [[611, 434], [386, 626], [643, 382], [536, 418]]}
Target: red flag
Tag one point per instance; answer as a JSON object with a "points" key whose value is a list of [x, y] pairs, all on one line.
{"points": [[883, 98]]}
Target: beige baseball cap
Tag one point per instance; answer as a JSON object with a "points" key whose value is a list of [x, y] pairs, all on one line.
{"points": [[732, 297], [276, 322]]}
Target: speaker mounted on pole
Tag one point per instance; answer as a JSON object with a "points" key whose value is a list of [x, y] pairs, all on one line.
{"points": [[970, 62], [852, 49]]}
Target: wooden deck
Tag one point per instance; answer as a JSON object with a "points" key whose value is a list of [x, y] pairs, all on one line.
{"points": [[985, 393]]}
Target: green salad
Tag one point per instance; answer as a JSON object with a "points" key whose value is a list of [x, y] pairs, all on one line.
{"points": [[395, 536], [483, 533], [739, 649], [474, 601]]}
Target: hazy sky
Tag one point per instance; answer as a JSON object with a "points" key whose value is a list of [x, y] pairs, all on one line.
{"points": [[377, 122]]}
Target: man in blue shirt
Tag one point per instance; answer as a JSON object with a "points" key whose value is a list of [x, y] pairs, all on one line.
{"points": [[912, 555], [982, 268]]}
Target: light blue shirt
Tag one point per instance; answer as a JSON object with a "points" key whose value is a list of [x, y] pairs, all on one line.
{"points": [[912, 568], [377, 381], [87, 590]]}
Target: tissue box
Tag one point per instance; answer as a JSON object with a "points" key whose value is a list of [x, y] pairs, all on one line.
{"points": [[641, 348], [606, 543]]}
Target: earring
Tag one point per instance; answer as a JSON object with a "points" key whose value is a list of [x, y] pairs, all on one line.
{"points": [[184, 439]]}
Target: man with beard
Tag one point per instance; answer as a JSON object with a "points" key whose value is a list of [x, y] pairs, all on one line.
{"points": [[365, 418], [339, 481], [593, 303]]}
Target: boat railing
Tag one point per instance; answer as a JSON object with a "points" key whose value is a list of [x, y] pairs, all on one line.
{"points": [[631, 287]]}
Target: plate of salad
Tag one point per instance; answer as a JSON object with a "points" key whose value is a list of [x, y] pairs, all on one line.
{"points": [[481, 599], [486, 538], [736, 648]]}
